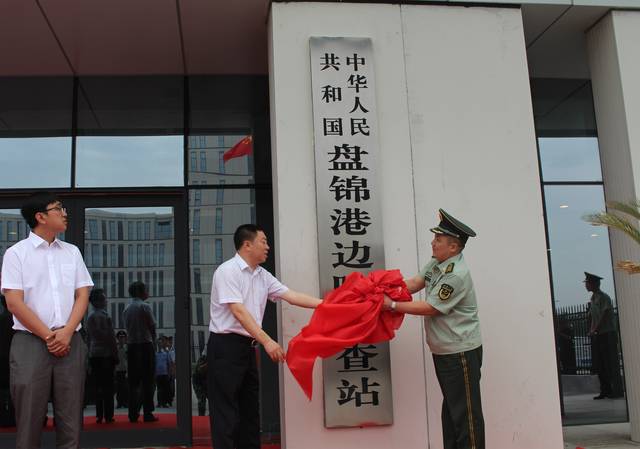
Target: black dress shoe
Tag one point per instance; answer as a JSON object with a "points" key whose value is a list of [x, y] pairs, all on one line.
{"points": [[600, 396], [98, 420], [150, 418], [132, 420]]}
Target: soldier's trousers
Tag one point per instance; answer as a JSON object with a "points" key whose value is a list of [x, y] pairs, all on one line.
{"points": [[459, 378]]}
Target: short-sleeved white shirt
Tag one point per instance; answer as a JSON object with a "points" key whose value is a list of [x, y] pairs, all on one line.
{"points": [[48, 275], [235, 282]]}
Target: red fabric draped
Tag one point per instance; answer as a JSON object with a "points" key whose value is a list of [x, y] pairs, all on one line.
{"points": [[349, 315]]}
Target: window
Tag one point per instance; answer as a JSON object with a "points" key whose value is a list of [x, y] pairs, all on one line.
{"points": [[572, 187], [114, 255], [197, 286], [147, 255], [155, 255], [194, 161], [221, 161], [220, 194], [130, 121], [140, 260], [218, 243], [130, 256], [120, 255], [195, 226], [203, 161], [93, 229], [163, 230], [218, 228], [130, 230], [197, 198], [112, 230], [196, 251], [95, 255], [121, 284], [139, 235], [161, 254], [199, 312], [147, 230]]}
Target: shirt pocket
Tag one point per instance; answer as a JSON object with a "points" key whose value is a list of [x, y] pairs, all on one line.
{"points": [[68, 271]]}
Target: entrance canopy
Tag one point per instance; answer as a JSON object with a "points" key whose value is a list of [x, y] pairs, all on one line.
{"points": [[121, 37]]}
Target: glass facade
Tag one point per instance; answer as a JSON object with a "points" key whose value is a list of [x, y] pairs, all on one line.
{"points": [[572, 187], [140, 165]]}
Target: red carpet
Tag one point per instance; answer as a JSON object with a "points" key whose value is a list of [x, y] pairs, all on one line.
{"points": [[201, 434]]}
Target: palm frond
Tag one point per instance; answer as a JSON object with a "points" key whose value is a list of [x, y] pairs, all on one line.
{"points": [[631, 208], [614, 221], [628, 266]]}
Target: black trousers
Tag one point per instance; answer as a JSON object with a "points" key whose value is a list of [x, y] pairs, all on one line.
{"points": [[233, 389], [459, 379], [122, 389], [162, 384], [605, 348], [102, 370], [141, 361]]}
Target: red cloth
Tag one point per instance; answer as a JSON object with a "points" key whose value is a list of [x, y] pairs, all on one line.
{"points": [[242, 148], [349, 315]]}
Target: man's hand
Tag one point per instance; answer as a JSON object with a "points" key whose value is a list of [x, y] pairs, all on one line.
{"points": [[275, 351], [59, 342]]}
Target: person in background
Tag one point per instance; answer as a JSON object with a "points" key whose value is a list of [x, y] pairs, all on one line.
{"points": [[122, 389], [141, 338], [103, 355], [605, 339], [162, 373]]}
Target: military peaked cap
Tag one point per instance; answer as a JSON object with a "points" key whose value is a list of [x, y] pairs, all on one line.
{"points": [[453, 227]]}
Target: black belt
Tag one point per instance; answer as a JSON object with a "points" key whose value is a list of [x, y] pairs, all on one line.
{"points": [[249, 341]]}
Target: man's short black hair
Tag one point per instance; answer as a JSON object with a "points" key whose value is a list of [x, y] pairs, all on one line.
{"points": [[97, 298], [245, 232], [37, 202], [137, 289]]}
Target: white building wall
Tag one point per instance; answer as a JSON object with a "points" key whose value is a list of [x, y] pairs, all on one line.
{"points": [[614, 60], [456, 131]]}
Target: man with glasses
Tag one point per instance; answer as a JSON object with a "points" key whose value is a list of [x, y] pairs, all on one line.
{"points": [[46, 285]]}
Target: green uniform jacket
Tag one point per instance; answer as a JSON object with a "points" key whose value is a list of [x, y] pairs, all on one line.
{"points": [[601, 305], [449, 289]]}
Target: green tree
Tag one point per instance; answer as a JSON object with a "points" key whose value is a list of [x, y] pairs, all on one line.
{"points": [[623, 217]]}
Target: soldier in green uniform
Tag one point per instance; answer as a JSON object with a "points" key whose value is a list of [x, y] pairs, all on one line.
{"points": [[453, 332], [604, 339]]}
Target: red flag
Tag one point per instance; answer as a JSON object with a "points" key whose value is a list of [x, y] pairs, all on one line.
{"points": [[349, 315], [242, 148]]}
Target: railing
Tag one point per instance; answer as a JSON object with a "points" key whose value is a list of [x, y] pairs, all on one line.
{"points": [[573, 343]]}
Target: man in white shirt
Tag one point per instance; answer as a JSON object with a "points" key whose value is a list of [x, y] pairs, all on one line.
{"points": [[239, 294], [46, 284]]}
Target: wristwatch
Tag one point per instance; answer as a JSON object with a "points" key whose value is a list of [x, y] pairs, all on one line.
{"points": [[393, 305]]}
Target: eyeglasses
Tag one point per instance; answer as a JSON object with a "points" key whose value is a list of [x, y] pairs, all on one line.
{"points": [[60, 209]]}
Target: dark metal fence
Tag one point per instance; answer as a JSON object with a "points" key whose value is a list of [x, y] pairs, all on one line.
{"points": [[573, 343]]}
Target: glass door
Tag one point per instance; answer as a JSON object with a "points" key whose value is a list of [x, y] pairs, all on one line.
{"points": [[127, 242]]}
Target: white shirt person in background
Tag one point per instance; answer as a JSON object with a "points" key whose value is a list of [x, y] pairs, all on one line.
{"points": [[46, 284], [239, 293]]}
